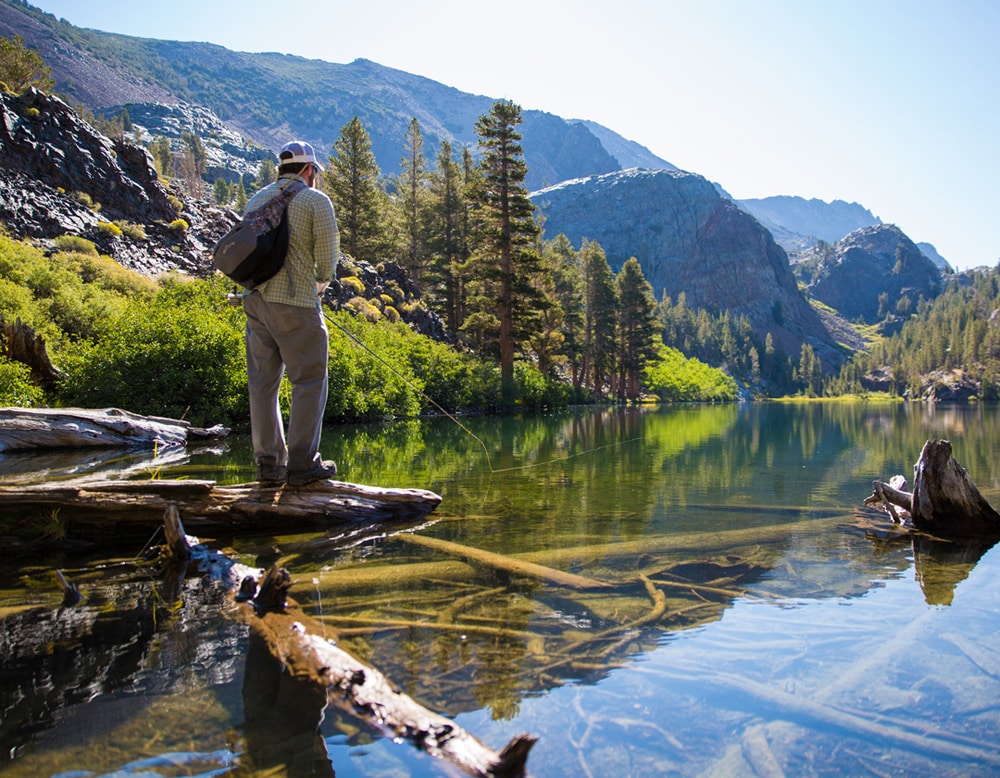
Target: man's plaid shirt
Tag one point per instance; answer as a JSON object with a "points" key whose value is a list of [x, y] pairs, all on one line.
{"points": [[313, 245]]}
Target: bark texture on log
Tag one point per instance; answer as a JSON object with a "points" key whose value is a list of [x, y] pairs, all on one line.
{"points": [[944, 500], [20, 343], [32, 429], [309, 655], [205, 506]]}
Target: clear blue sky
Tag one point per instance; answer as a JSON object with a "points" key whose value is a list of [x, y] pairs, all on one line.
{"points": [[894, 104]]}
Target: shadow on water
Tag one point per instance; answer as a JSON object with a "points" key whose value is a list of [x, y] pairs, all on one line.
{"points": [[678, 517]]}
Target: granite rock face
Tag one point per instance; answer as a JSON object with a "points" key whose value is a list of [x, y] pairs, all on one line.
{"points": [[689, 239], [865, 275], [58, 175]]}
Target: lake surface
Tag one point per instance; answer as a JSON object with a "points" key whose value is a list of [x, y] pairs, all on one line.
{"points": [[756, 619]]}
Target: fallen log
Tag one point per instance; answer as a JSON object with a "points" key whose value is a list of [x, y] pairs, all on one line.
{"points": [[944, 501], [135, 508], [309, 655], [31, 429]]}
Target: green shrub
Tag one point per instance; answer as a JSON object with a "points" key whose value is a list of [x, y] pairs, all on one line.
{"points": [[16, 302], [675, 378], [394, 292], [364, 309], [16, 387], [536, 391], [87, 200], [179, 225], [178, 355], [107, 274], [74, 243]]}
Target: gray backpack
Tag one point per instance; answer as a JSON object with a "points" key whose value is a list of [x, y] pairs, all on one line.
{"points": [[254, 250]]}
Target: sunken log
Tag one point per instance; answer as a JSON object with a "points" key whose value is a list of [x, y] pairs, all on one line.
{"points": [[309, 655], [32, 429], [136, 508], [944, 500]]}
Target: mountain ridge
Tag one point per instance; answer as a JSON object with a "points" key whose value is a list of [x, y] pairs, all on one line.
{"points": [[268, 97]]}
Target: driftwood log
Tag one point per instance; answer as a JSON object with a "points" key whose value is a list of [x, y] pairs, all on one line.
{"points": [[33, 429], [944, 500], [308, 654], [135, 508]]}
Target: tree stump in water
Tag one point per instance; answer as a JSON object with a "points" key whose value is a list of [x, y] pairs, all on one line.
{"points": [[944, 500]]}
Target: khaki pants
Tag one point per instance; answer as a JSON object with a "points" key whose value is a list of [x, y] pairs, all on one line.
{"points": [[286, 338]]}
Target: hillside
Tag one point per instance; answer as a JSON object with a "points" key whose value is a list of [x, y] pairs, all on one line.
{"points": [[870, 274], [270, 97], [689, 239]]}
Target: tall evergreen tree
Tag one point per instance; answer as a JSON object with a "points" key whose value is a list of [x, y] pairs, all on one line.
{"points": [[352, 181], [602, 314], [412, 191], [507, 260], [638, 328], [567, 274], [447, 243], [266, 173]]}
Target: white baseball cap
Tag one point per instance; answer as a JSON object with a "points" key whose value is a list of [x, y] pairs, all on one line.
{"points": [[298, 151]]}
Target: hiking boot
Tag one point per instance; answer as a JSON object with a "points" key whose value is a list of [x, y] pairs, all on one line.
{"points": [[271, 475], [322, 471]]}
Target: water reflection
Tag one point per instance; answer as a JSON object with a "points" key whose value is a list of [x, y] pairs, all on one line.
{"points": [[729, 543], [282, 718]]}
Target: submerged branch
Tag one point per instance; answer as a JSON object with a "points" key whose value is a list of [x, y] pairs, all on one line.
{"points": [[505, 563]]}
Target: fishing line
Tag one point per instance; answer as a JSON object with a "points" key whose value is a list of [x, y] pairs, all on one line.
{"points": [[479, 440], [422, 393]]}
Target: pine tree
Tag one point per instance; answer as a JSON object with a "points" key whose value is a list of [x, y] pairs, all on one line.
{"points": [[266, 173], [567, 273], [162, 156], [447, 243], [602, 313], [352, 181], [638, 329], [412, 190], [507, 263]]}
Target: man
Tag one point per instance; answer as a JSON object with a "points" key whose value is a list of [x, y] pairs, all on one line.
{"points": [[286, 332]]}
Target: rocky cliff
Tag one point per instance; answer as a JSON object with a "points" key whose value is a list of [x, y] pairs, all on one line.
{"points": [[689, 239], [872, 273], [58, 175]]}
